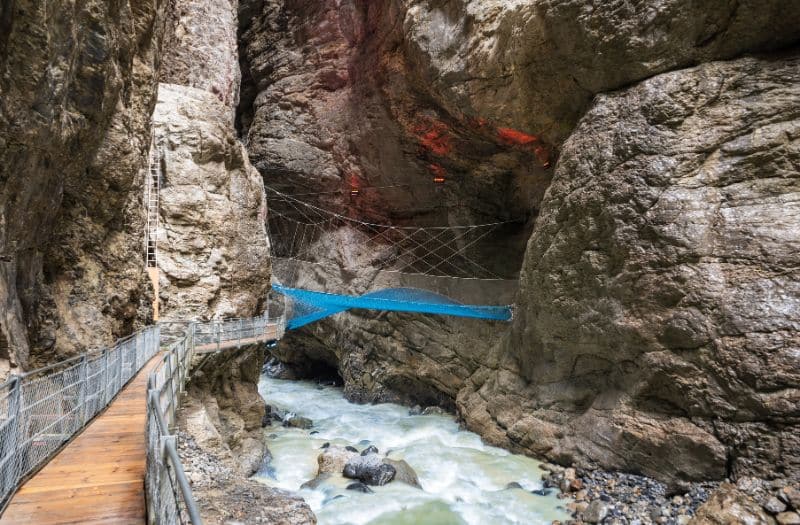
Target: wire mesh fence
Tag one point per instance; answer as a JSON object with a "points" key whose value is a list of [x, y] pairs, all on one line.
{"points": [[43, 409]]}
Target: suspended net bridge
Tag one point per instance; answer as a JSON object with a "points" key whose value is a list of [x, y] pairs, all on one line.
{"points": [[325, 263]]}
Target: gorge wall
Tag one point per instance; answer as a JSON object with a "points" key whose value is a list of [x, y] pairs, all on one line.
{"points": [[643, 158], [77, 88], [658, 305]]}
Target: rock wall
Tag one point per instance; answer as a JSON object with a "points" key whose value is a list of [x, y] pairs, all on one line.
{"points": [[659, 304], [213, 246], [325, 107], [77, 87], [657, 310]]}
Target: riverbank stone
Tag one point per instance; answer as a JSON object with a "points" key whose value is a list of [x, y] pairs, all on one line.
{"points": [[788, 518]]}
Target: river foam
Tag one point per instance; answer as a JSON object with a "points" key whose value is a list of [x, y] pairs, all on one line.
{"points": [[463, 480]]}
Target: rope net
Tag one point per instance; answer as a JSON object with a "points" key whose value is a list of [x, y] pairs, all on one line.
{"points": [[298, 230]]}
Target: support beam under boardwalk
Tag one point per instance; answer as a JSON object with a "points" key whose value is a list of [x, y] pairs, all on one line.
{"points": [[99, 476]]}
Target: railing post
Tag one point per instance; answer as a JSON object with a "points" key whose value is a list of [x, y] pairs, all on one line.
{"points": [[120, 358], [105, 377], [82, 390], [171, 385], [12, 473], [138, 348]]}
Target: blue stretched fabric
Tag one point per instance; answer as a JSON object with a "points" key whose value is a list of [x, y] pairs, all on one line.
{"points": [[312, 306]]}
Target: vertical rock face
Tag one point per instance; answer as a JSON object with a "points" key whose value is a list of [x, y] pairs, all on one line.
{"points": [[658, 309], [659, 302], [77, 86], [537, 64], [328, 104], [201, 43], [214, 252]]}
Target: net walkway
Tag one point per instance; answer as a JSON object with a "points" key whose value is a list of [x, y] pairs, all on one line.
{"points": [[363, 265], [310, 306]]}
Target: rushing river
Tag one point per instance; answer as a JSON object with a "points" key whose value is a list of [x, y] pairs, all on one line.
{"points": [[464, 481]]}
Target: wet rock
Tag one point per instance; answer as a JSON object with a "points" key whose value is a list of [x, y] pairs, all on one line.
{"points": [[333, 460], [791, 496], [369, 450], [359, 487], [316, 482], [596, 511], [728, 506], [542, 492], [325, 445], [404, 472], [434, 411], [788, 518], [369, 469], [513, 485], [774, 506], [295, 421], [351, 449]]}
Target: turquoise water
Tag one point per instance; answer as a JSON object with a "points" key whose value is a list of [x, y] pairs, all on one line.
{"points": [[463, 480]]}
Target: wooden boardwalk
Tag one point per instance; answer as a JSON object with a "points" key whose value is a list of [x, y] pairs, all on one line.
{"points": [[99, 477]]}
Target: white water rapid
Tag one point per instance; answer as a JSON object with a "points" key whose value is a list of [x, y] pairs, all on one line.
{"points": [[463, 480]]}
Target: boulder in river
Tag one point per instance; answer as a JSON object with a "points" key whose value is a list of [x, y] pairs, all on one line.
{"points": [[295, 421], [404, 472], [333, 460], [360, 487], [372, 449], [370, 469], [316, 482]]}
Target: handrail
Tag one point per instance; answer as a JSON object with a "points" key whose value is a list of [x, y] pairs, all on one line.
{"points": [[168, 492], [42, 410]]}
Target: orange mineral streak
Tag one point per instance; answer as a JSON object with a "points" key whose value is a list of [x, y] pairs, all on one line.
{"points": [[542, 155], [435, 137], [439, 173], [515, 137]]}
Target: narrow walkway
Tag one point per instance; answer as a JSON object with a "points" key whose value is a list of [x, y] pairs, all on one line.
{"points": [[99, 477], [271, 333]]}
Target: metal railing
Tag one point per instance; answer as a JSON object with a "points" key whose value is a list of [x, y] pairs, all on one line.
{"points": [[211, 336], [43, 409], [169, 496]]}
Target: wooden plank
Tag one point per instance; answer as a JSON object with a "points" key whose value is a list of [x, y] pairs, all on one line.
{"points": [[99, 477]]}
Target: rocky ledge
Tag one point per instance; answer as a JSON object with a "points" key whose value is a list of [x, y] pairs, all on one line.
{"points": [[226, 496]]}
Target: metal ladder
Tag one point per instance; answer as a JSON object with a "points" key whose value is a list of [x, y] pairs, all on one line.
{"points": [[152, 188]]}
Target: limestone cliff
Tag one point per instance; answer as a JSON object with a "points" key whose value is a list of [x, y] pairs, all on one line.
{"points": [[213, 247], [77, 87], [657, 312]]}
